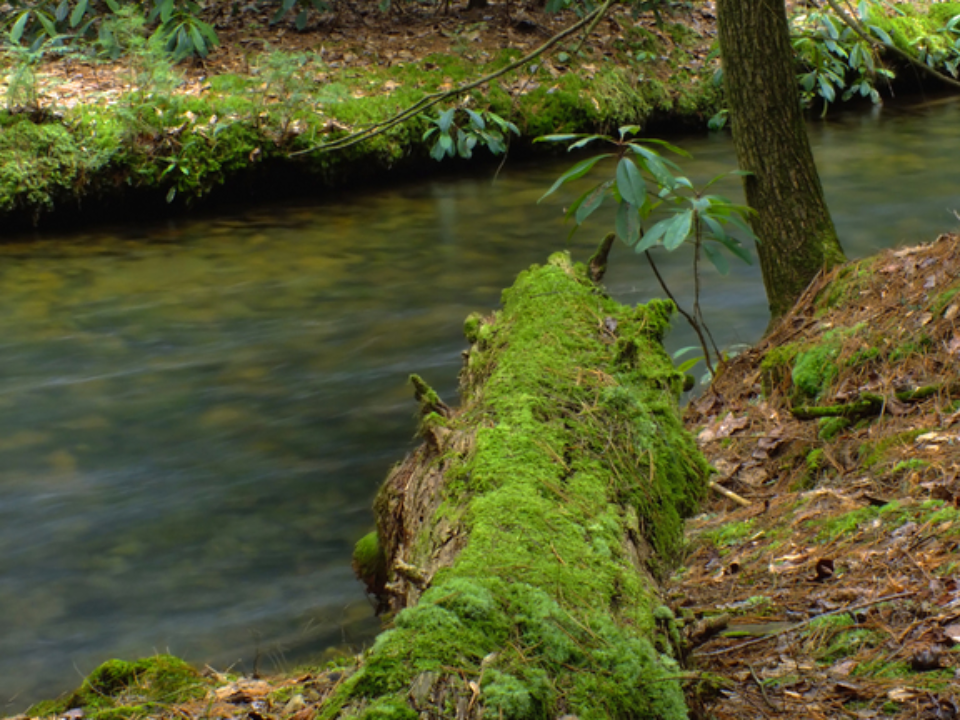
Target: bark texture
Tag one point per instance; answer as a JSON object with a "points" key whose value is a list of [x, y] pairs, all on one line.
{"points": [[521, 541], [792, 222]]}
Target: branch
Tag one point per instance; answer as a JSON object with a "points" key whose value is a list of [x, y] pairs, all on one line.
{"points": [[804, 623], [431, 99], [855, 25], [690, 319]]}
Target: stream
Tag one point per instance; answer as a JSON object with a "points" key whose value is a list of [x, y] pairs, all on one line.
{"points": [[195, 415]]}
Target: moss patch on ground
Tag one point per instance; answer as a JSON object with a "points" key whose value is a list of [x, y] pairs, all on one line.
{"points": [[120, 690]]}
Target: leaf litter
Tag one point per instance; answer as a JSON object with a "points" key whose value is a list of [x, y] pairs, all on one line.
{"points": [[836, 592]]}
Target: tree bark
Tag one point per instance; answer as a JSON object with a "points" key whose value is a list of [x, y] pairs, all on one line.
{"points": [[519, 545], [792, 222]]}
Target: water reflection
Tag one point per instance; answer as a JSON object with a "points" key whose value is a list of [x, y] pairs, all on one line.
{"points": [[195, 417]]}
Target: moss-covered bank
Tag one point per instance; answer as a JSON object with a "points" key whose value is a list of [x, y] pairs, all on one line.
{"points": [[155, 145]]}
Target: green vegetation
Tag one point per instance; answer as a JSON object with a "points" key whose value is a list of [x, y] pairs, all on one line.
{"points": [[731, 533], [543, 608], [872, 453], [644, 181], [118, 690]]}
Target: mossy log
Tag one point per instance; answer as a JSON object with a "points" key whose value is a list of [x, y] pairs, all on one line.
{"points": [[519, 546]]}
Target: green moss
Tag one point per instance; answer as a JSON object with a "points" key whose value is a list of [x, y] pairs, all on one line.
{"points": [[730, 533], [777, 364], [944, 299], [830, 427], [815, 368], [368, 558], [119, 689], [848, 643], [873, 453], [815, 460], [577, 447], [907, 465]]}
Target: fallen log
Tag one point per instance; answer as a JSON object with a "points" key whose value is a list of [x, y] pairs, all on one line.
{"points": [[518, 548]]}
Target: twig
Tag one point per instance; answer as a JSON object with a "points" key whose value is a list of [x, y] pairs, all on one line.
{"points": [[431, 99], [690, 318], [763, 690], [804, 623], [730, 494]]}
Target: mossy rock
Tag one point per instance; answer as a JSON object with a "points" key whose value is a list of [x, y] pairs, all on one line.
{"points": [[120, 689]]}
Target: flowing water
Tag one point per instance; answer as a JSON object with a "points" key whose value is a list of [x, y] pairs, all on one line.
{"points": [[194, 417]]}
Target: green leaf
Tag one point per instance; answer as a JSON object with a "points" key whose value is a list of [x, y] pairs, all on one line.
{"points": [[48, 25], [687, 365], [585, 141], [78, 12], [630, 183], [669, 146], [198, 43], [652, 236], [446, 142], [476, 119], [826, 89], [628, 223], [717, 258], [166, 11], [625, 130], [684, 350], [735, 247], [574, 173], [880, 33], [655, 165], [63, 9], [592, 201], [184, 46], [171, 194], [16, 32], [437, 152], [446, 119], [301, 22], [558, 138], [714, 226], [429, 132], [678, 231]]}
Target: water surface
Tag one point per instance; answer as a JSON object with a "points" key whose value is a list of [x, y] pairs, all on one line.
{"points": [[194, 417]]}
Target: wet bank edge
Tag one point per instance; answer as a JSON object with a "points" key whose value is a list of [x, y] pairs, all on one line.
{"points": [[159, 153]]}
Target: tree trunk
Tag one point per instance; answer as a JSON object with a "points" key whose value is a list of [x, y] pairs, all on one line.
{"points": [[792, 222], [519, 544]]}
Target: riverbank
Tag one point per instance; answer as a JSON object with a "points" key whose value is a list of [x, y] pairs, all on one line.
{"points": [[832, 593], [141, 131], [84, 138]]}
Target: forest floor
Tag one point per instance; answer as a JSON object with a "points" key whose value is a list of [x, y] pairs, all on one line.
{"points": [[835, 593], [359, 36]]}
